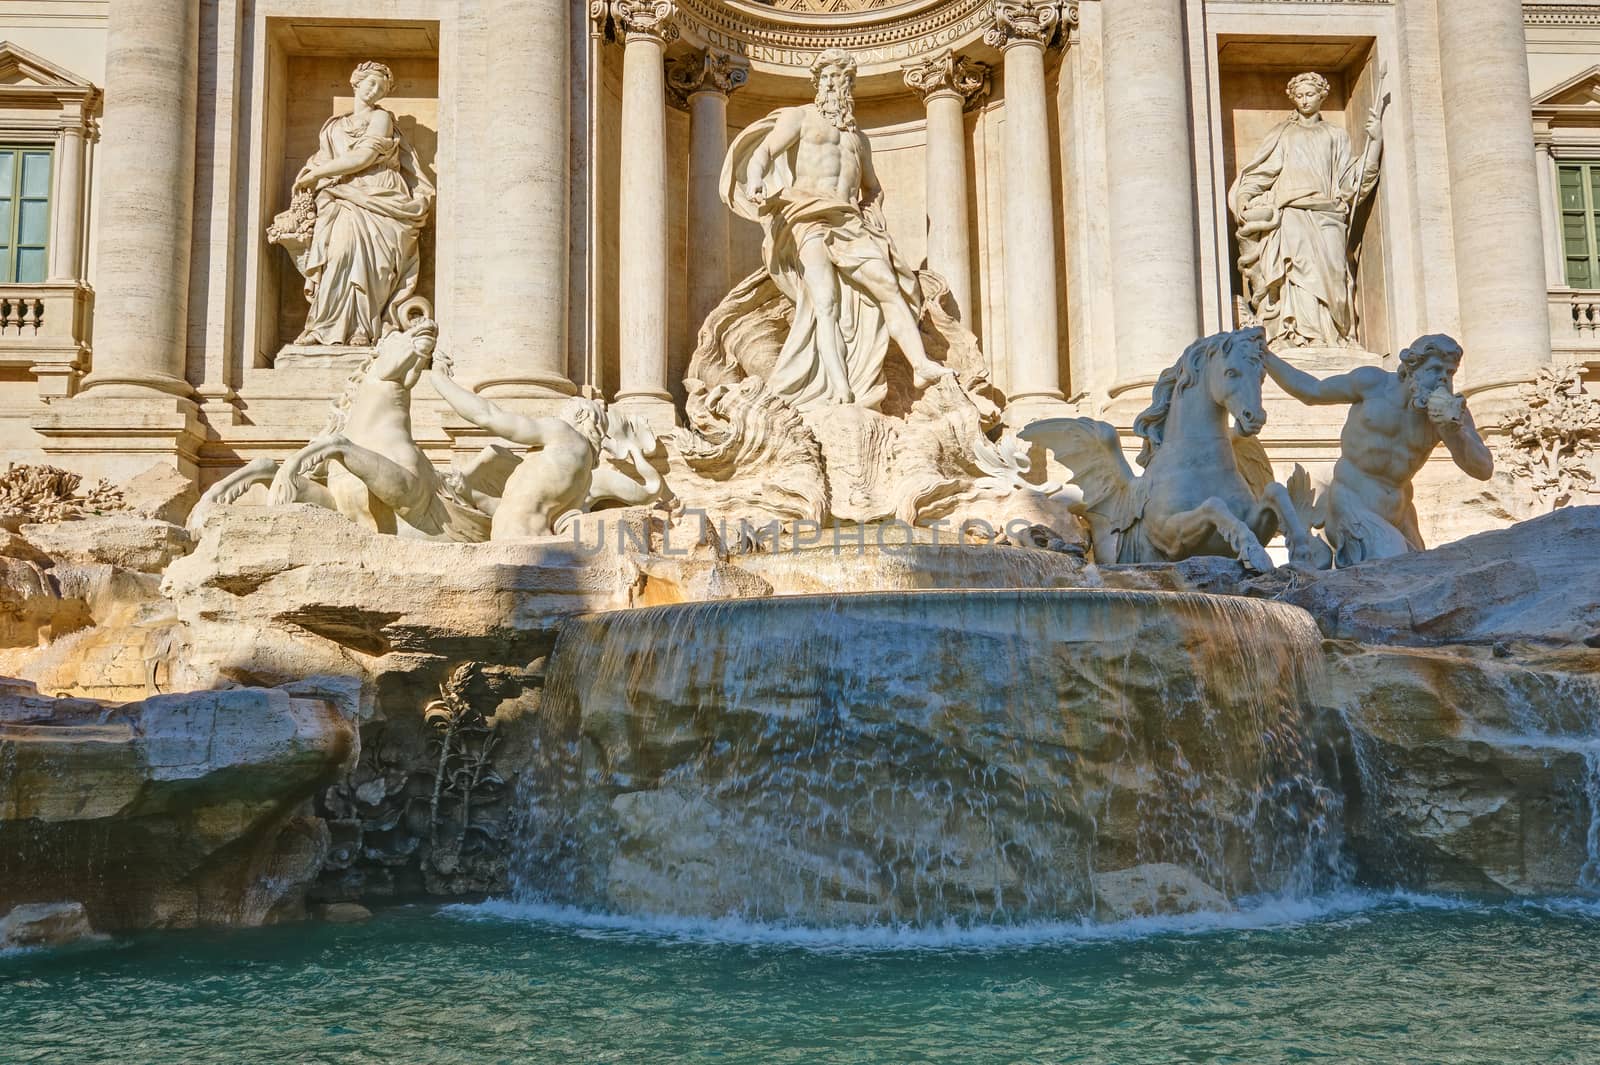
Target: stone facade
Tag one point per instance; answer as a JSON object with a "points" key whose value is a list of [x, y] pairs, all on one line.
{"points": [[1063, 165]]}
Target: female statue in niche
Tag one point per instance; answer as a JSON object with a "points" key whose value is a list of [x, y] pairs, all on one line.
{"points": [[1294, 202], [358, 210]]}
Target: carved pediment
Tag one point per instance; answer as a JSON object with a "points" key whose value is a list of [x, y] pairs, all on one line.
{"points": [[29, 83], [19, 67], [1582, 91]]}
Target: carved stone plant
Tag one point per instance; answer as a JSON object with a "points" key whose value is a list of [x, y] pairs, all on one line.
{"points": [[463, 741], [45, 494], [1553, 437]]}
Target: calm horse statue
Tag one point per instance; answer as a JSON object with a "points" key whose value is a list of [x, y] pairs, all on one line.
{"points": [[1206, 490]]}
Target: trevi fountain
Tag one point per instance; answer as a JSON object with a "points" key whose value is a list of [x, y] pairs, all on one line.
{"points": [[788, 530]]}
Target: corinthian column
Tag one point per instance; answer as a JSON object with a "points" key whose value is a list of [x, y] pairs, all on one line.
{"points": [[1154, 257], [948, 85], [701, 82], [1022, 30], [524, 352], [1494, 191], [645, 26], [147, 205]]}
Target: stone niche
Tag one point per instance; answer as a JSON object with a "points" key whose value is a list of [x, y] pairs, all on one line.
{"points": [[1253, 74], [307, 80]]}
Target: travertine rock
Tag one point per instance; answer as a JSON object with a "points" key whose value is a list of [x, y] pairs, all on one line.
{"points": [[171, 811], [1158, 889], [1537, 581], [45, 924], [343, 913], [271, 595], [162, 493], [127, 541], [1473, 772], [33, 609], [790, 758]]}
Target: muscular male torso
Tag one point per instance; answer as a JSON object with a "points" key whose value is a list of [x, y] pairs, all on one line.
{"points": [[829, 160], [1384, 443]]}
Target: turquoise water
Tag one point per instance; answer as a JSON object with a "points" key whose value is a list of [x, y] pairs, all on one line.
{"points": [[1347, 979]]}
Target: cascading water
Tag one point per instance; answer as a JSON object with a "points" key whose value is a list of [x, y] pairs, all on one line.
{"points": [[1510, 750], [924, 757]]}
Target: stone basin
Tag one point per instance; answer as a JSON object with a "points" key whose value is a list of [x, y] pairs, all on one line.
{"points": [[924, 756]]}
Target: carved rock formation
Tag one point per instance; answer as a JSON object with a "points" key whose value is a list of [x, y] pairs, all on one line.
{"points": [[177, 810]]}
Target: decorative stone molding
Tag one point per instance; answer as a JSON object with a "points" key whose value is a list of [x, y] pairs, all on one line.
{"points": [[896, 33], [1561, 14], [628, 18], [1029, 21], [707, 71], [949, 73], [833, 7]]}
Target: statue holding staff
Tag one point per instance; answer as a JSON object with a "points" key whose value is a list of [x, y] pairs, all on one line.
{"points": [[1294, 202]]}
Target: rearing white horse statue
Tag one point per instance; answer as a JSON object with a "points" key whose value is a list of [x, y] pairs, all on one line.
{"points": [[1207, 490]]}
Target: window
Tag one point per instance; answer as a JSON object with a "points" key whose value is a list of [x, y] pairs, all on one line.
{"points": [[24, 214], [1580, 223]]}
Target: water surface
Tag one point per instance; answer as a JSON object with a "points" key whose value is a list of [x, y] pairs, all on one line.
{"points": [[1343, 979]]}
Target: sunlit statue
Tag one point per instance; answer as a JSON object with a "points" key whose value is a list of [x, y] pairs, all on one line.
{"points": [[359, 207], [1293, 202], [373, 471], [540, 491], [805, 174], [1396, 421], [1207, 488]]}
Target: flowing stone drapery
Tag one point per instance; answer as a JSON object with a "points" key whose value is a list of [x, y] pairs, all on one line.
{"points": [[1293, 201], [948, 84], [524, 350], [702, 82], [147, 211], [363, 258], [1154, 275], [642, 209], [1022, 31], [1494, 190]]}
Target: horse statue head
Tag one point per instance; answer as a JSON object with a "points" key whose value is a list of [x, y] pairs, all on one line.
{"points": [[1229, 367]]}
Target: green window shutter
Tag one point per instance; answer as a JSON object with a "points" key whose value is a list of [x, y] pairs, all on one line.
{"points": [[1578, 187], [24, 214]]}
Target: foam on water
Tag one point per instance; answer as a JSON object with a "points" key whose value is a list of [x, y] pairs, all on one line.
{"points": [[1267, 913]]}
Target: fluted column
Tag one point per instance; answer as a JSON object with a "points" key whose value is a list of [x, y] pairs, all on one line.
{"points": [[948, 84], [701, 82], [1494, 191], [147, 199], [1154, 220], [1022, 31], [66, 242], [1555, 264], [524, 351], [642, 211]]}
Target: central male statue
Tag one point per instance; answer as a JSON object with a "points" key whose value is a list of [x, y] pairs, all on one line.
{"points": [[805, 174]]}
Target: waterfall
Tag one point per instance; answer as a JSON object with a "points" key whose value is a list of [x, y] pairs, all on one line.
{"points": [[924, 756]]}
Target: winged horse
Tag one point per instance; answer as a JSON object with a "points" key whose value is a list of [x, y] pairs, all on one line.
{"points": [[1207, 489]]}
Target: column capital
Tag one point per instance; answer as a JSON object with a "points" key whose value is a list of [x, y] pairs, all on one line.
{"points": [[949, 74], [1037, 22], [707, 71], [655, 19]]}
